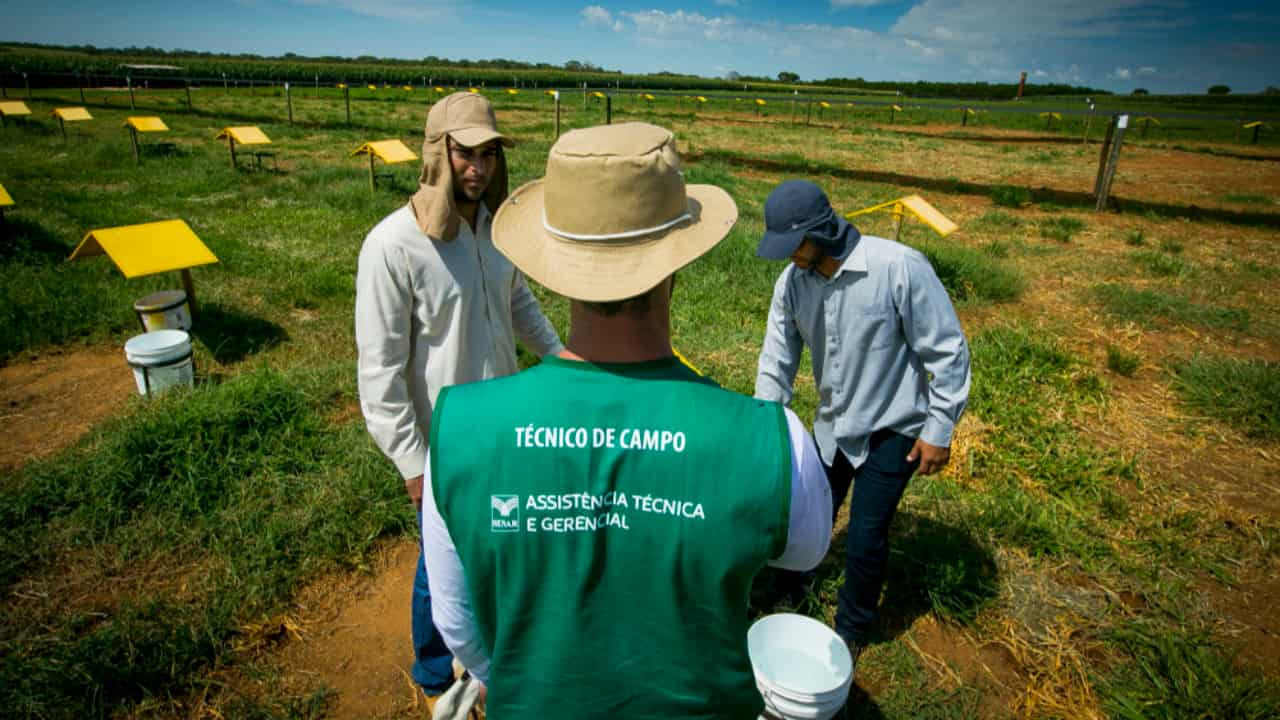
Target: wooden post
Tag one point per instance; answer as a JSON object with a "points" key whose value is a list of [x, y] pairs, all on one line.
{"points": [[133, 139], [225, 90], [1146, 125], [808, 113], [346, 95], [189, 106], [189, 287], [897, 220], [80, 84], [373, 181], [1112, 159], [288, 101], [62, 125], [1088, 123], [557, 99], [1256, 129], [27, 81], [608, 109], [891, 114], [128, 80], [231, 145], [584, 96], [964, 117]]}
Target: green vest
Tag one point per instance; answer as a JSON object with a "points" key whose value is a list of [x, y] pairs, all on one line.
{"points": [[609, 519]]}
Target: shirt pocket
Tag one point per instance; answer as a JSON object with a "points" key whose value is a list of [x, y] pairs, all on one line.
{"points": [[873, 328]]}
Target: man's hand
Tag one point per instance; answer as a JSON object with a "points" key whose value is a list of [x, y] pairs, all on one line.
{"points": [[932, 458], [413, 486]]}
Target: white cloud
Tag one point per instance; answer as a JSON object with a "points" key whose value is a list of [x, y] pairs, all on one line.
{"points": [[1146, 70], [841, 4], [1037, 73], [596, 16], [1120, 73], [399, 10], [983, 22]]}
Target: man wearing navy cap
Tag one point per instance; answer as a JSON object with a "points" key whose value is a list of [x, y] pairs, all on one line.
{"points": [[890, 362]]}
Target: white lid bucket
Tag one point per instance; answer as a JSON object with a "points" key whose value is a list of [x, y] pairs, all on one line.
{"points": [[160, 359], [802, 667]]}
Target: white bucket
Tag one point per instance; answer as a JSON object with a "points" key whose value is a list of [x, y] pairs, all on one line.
{"points": [[164, 310], [802, 667], [160, 360]]}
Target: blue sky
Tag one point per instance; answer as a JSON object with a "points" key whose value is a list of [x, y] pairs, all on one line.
{"points": [[1162, 45]]}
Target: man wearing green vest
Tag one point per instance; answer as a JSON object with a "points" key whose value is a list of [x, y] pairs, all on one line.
{"points": [[593, 524]]}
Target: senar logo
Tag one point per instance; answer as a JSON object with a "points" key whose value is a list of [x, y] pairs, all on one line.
{"points": [[504, 513]]}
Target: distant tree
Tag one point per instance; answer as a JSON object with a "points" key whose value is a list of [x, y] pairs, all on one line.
{"points": [[731, 76], [788, 77], [1271, 90], [1219, 90], [1141, 91]]}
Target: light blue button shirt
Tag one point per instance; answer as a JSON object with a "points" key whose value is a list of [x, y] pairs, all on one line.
{"points": [[887, 348]]}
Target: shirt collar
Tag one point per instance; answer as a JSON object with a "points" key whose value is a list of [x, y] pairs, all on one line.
{"points": [[856, 261]]}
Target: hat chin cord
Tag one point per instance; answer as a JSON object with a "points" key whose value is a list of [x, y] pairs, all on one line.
{"points": [[626, 235]]}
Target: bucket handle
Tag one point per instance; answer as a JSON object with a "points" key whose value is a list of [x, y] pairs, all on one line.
{"points": [[146, 374]]}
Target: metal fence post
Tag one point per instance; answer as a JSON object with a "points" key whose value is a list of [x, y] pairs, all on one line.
{"points": [[129, 81], [190, 108], [346, 96], [608, 109], [557, 98], [288, 101], [80, 84], [27, 81]]}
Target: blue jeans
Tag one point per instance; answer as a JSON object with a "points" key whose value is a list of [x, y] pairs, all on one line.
{"points": [[878, 485], [433, 663]]}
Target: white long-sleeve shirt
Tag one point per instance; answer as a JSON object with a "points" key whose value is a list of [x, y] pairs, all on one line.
{"points": [[808, 537], [430, 314]]}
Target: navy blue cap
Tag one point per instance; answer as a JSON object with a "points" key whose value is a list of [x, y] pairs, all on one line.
{"points": [[798, 208]]}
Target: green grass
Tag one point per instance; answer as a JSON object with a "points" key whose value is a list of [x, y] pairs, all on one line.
{"points": [[1163, 264], [1122, 362], [1135, 237], [1011, 196], [234, 493], [997, 219], [1061, 229], [973, 275], [1242, 393], [1175, 675], [1171, 246], [210, 509], [1149, 307], [1249, 198]]}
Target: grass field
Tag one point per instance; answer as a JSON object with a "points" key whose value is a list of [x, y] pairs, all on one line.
{"points": [[1103, 544]]}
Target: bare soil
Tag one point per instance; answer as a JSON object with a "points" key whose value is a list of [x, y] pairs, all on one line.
{"points": [[355, 639], [47, 404]]}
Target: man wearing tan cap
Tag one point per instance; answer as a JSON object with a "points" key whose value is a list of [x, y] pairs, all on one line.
{"points": [[593, 550], [437, 305]]}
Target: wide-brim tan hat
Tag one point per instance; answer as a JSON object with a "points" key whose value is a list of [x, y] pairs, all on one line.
{"points": [[613, 216]]}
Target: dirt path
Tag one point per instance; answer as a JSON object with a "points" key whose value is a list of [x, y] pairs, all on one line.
{"points": [[354, 639], [47, 404]]}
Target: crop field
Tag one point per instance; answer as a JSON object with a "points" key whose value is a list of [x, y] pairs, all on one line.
{"points": [[1104, 542]]}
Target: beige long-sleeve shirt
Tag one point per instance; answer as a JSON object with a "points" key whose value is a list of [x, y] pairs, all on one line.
{"points": [[431, 314]]}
